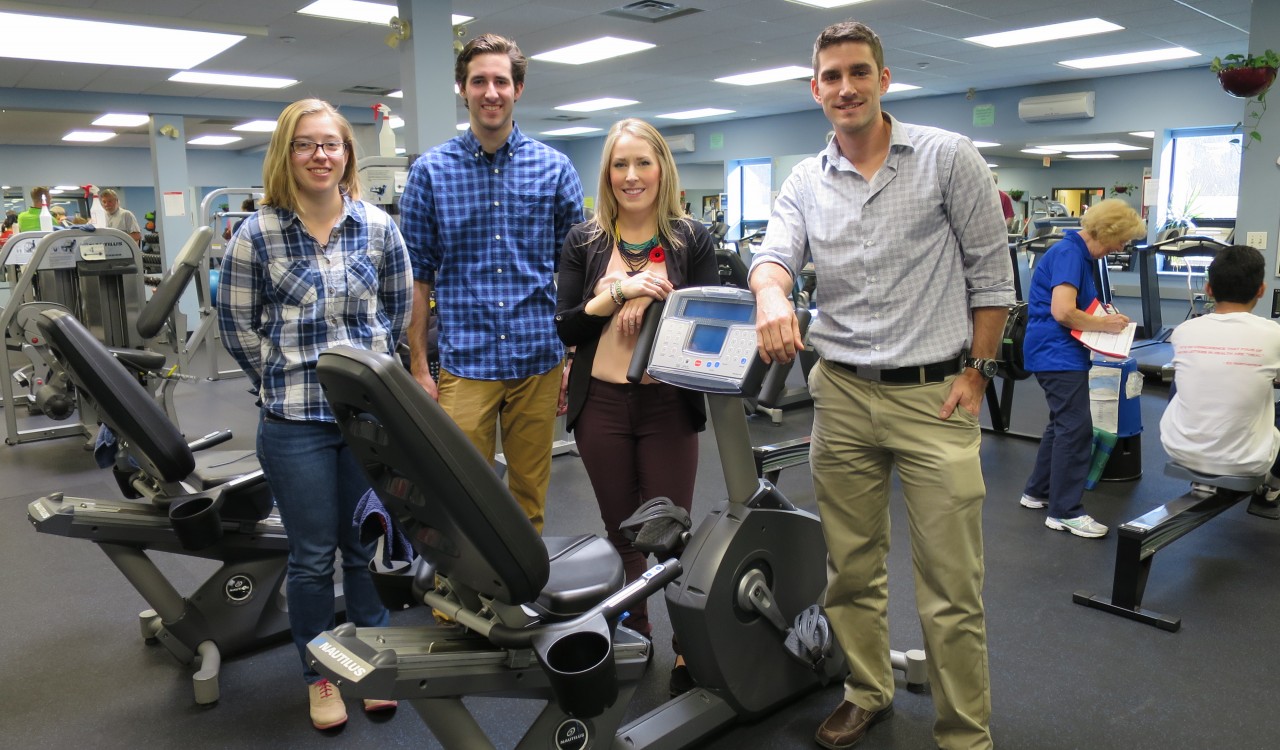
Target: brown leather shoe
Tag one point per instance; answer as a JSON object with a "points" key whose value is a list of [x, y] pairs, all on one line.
{"points": [[847, 724]]}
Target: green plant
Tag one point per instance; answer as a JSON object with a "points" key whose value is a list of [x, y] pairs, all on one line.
{"points": [[1123, 188], [1248, 77], [1015, 194]]}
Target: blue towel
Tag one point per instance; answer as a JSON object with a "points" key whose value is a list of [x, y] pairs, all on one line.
{"points": [[374, 521], [104, 447]]}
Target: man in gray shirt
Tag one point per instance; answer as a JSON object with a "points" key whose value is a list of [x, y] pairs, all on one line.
{"points": [[120, 218], [903, 226]]}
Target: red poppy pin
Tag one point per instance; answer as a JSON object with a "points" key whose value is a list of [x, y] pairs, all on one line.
{"points": [[656, 255]]}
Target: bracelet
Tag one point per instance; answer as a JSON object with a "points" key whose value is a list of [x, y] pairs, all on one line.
{"points": [[616, 293]]}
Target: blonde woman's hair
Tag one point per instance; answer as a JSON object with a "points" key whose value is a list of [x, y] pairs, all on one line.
{"points": [[279, 188], [668, 202], [1112, 222]]}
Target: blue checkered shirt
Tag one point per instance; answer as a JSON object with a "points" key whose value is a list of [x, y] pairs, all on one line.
{"points": [[486, 232], [900, 258], [283, 299]]}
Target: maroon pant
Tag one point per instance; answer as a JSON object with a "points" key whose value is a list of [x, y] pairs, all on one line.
{"points": [[637, 442]]}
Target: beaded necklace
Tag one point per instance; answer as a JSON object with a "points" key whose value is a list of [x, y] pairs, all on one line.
{"points": [[635, 255]]}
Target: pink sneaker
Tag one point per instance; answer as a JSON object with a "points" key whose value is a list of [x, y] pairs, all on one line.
{"points": [[373, 705]]}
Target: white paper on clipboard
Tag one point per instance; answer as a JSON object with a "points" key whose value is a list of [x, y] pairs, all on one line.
{"points": [[174, 205]]}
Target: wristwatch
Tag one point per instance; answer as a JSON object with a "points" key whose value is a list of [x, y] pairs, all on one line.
{"points": [[987, 367]]}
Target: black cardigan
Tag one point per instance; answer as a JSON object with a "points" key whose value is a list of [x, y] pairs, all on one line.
{"points": [[582, 264]]}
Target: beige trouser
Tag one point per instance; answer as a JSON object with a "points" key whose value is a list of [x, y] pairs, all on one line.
{"points": [[861, 430], [526, 410]]}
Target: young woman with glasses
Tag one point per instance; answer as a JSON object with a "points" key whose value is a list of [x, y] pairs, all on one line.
{"points": [[315, 267]]}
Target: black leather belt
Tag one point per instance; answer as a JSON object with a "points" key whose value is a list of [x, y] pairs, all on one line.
{"points": [[916, 375]]}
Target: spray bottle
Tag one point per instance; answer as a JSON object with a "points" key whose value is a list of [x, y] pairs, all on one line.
{"points": [[97, 214], [46, 218]]}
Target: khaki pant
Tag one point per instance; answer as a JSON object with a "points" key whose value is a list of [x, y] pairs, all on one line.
{"points": [[861, 430], [526, 410]]}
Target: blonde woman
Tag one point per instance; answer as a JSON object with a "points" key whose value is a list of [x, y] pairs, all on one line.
{"points": [[637, 442], [1062, 289]]}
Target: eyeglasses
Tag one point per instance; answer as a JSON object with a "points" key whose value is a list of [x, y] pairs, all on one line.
{"points": [[307, 148]]}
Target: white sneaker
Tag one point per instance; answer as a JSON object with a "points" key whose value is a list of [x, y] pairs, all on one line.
{"points": [[1028, 501], [1083, 526], [327, 709]]}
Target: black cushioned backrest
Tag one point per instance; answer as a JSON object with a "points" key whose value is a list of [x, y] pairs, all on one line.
{"points": [[174, 283], [447, 498], [122, 403]]}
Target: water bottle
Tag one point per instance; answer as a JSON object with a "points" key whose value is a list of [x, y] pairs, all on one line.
{"points": [[1103, 442], [46, 218]]}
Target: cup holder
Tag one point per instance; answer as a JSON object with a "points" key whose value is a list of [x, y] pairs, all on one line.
{"points": [[579, 665], [196, 522]]}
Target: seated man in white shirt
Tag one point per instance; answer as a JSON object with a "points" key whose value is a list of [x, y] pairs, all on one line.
{"points": [[1222, 416]]}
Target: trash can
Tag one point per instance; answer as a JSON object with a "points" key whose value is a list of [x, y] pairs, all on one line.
{"points": [[1115, 388]]}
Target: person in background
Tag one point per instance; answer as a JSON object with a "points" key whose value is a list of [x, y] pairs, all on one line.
{"points": [[246, 206], [60, 220], [316, 267], [1062, 289], [1221, 418], [120, 218], [10, 225], [29, 220], [903, 227], [1006, 203], [484, 215], [637, 442]]}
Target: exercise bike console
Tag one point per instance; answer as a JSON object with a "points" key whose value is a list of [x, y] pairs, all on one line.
{"points": [[706, 341]]}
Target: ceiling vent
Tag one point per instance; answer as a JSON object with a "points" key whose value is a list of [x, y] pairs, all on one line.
{"points": [[567, 118], [368, 90], [651, 11], [1077, 106]]}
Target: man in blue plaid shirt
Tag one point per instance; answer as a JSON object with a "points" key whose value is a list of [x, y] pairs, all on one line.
{"points": [[484, 215]]}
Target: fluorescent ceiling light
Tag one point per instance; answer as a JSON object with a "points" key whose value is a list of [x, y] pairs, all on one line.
{"points": [[693, 114], [985, 144], [64, 188], [400, 94], [597, 49], [1129, 58], [1092, 156], [74, 40], [896, 87], [595, 105], [88, 136], [1144, 133], [56, 191], [353, 10], [213, 140], [773, 75], [1077, 148], [121, 121], [462, 126], [570, 131], [1035, 34], [1040, 151], [827, 3], [256, 126], [396, 122], [228, 79], [991, 165]]}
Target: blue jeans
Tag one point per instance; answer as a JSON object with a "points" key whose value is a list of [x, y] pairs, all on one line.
{"points": [[317, 482], [1062, 464]]}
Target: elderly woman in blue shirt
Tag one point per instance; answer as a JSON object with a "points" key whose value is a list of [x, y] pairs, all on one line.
{"points": [[314, 268]]}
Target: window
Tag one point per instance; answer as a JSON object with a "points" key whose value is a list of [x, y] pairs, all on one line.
{"points": [[1203, 188]]}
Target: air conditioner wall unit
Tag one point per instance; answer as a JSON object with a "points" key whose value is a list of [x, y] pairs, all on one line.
{"points": [[1077, 106], [680, 144]]}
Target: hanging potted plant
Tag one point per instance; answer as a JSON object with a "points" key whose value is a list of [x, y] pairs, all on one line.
{"points": [[1123, 188], [1248, 77], [1015, 195]]}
